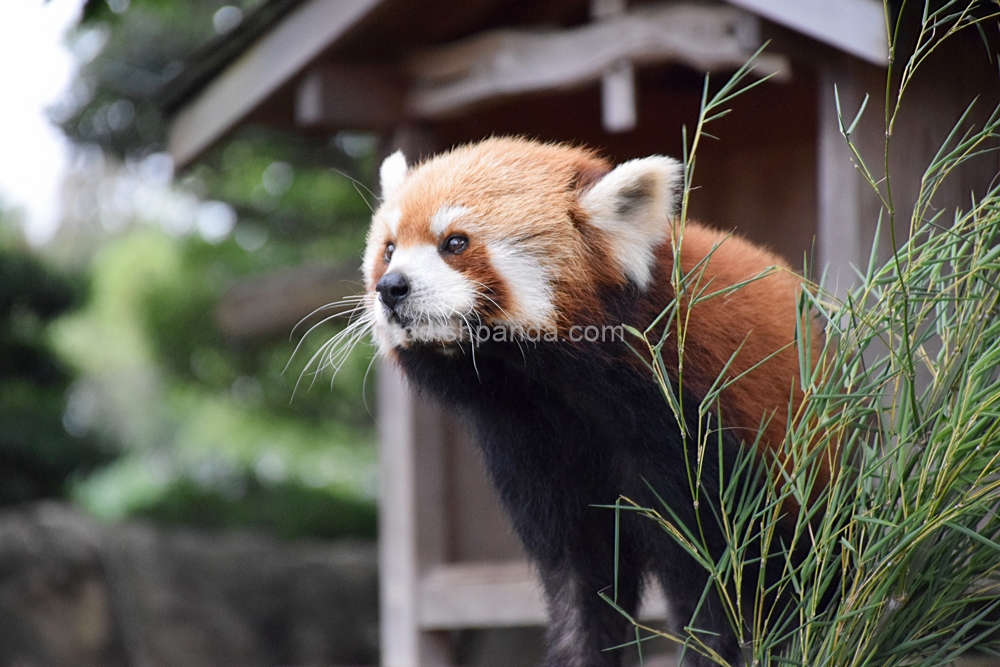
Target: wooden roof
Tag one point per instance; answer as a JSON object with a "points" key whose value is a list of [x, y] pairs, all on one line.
{"points": [[383, 61]]}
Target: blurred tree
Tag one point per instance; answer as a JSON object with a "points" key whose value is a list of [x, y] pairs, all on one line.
{"points": [[126, 51], [42, 446], [189, 371]]}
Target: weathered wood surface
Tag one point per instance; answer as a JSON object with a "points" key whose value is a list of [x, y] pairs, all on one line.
{"points": [[618, 93], [469, 595], [371, 96], [506, 62], [272, 304], [411, 519]]}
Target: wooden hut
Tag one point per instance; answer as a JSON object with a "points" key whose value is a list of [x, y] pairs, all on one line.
{"points": [[620, 76]]}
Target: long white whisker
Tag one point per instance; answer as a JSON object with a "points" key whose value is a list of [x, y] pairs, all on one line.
{"points": [[517, 339], [335, 348], [313, 328], [357, 185], [472, 348], [334, 352], [364, 386], [359, 298], [491, 300], [524, 358], [339, 353], [305, 370]]}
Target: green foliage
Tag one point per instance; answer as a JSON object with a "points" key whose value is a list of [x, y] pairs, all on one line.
{"points": [[101, 10], [179, 320], [182, 395], [897, 560], [142, 49], [320, 198], [179, 394], [38, 456], [287, 509], [177, 391]]}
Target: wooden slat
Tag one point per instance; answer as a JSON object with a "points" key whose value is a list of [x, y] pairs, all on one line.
{"points": [[274, 60], [504, 63], [838, 183], [412, 532], [480, 595], [618, 107], [854, 26], [471, 595], [397, 526]]}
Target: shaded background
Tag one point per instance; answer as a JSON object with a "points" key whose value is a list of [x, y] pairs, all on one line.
{"points": [[138, 324], [167, 495]]}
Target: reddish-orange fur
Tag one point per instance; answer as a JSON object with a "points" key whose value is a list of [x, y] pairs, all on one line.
{"points": [[552, 237], [756, 324], [515, 185], [526, 189]]}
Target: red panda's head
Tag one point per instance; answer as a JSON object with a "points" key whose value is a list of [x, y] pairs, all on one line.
{"points": [[510, 233]]}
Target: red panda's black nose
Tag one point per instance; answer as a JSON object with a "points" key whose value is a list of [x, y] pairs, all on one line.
{"points": [[393, 288]]}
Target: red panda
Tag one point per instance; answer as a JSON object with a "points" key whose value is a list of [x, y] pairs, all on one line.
{"points": [[494, 274]]}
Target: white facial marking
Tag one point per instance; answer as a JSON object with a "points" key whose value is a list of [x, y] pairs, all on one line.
{"points": [[529, 285], [634, 205], [392, 174], [445, 216], [392, 217], [439, 298]]}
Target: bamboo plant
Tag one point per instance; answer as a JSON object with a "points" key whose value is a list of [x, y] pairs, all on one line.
{"points": [[897, 560]]}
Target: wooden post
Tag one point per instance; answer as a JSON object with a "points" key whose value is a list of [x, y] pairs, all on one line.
{"points": [[848, 208], [411, 513], [838, 228], [618, 112]]}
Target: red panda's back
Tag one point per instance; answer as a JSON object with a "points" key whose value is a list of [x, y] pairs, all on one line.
{"points": [[741, 306]]}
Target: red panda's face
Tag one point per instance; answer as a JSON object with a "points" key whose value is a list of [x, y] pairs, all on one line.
{"points": [[508, 233]]}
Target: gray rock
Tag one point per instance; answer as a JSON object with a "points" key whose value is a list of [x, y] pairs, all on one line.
{"points": [[77, 593]]}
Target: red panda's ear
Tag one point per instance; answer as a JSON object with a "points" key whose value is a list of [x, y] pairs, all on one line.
{"points": [[587, 173], [392, 173], [633, 205]]}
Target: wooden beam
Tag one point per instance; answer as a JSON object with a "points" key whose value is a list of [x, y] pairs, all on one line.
{"points": [[618, 105], [270, 63], [839, 224], [854, 26], [341, 95], [471, 595], [502, 63], [412, 529]]}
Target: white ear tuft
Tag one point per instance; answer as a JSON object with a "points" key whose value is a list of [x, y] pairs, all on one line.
{"points": [[392, 173], [633, 205]]}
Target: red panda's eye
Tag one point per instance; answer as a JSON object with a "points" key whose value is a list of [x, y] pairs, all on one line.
{"points": [[456, 244], [389, 249]]}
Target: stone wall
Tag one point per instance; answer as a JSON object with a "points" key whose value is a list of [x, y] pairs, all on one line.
{"points": [[76, 593]]}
